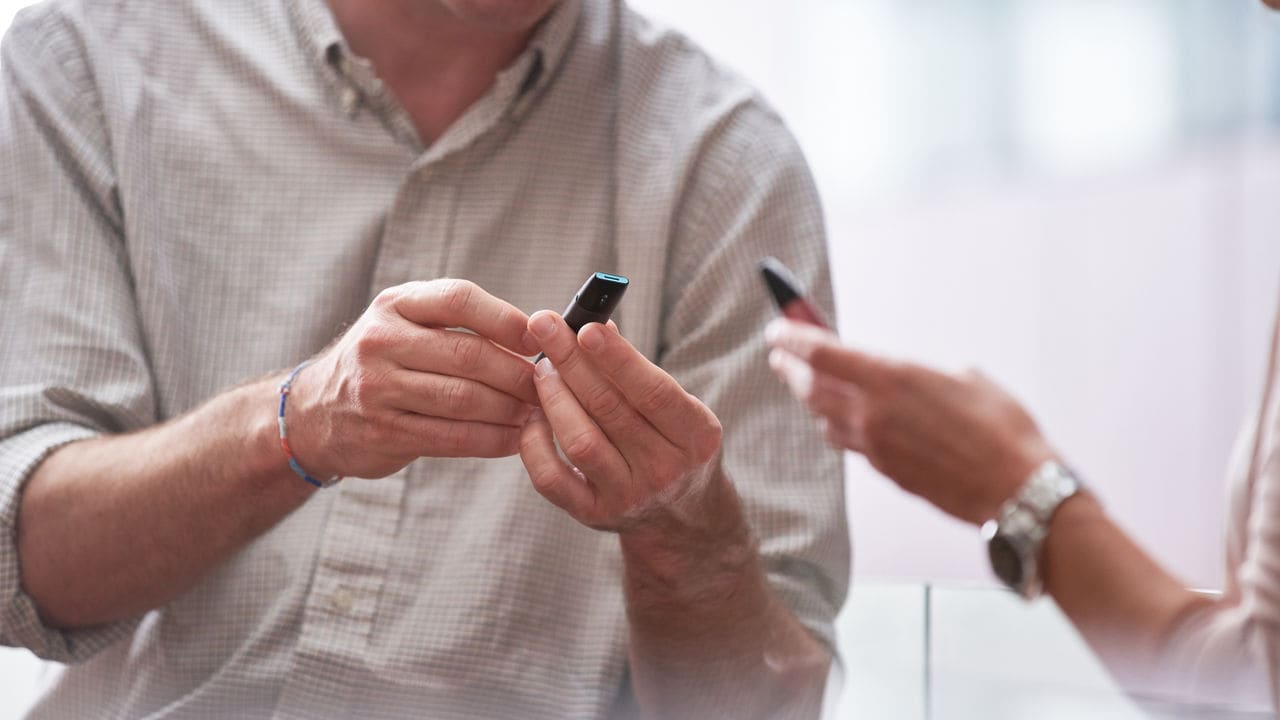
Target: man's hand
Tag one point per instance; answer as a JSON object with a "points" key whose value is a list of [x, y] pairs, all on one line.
{"points": [[636, 440], [959, 441], [400, 385]]}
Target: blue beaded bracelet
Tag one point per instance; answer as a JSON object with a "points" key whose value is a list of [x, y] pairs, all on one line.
{"points": [[284, 434]]}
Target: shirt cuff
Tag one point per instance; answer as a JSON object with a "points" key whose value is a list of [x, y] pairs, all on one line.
{"points": [[20, 624]]}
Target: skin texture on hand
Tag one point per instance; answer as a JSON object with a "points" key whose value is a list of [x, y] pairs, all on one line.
{"points": [[957, 440], [641, 457], [401, 385], [634, 437]]}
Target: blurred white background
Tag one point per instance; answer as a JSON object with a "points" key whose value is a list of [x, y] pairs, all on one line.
{"points": [[1078, 196]]}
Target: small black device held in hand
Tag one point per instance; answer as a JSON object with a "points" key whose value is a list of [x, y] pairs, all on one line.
{"points": [[789, 294], [594, 302]]}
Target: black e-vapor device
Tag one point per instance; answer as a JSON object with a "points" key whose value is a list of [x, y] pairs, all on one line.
{"points": [[595, 301]]}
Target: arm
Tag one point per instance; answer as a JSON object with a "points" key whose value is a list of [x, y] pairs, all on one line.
{"points": [[965, 445], [103, 536], [708, 637], [1124, 604]]}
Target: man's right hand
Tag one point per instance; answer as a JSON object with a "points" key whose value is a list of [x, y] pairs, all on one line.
{"points": [[400, 384]]}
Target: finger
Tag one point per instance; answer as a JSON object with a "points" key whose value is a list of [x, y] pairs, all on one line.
{"points": [[834, 397], [844, 436], [821, 393], [463, 355], [821, 349], [437, 437], [454, 398], [461, 303], [680, 417], [602, 400], [796, 373], [581, 440], [555, 481]]}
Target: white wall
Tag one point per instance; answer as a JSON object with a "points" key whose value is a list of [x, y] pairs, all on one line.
{"points": [[1131, 312]]}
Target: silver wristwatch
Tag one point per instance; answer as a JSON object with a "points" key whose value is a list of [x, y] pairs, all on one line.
{"points": [[1016, 537]]}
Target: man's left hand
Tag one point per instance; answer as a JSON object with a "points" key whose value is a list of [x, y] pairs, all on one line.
{"points": [[637, 441]]}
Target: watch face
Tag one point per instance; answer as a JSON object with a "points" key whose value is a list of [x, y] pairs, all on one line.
{"points": [[1005, 561]]}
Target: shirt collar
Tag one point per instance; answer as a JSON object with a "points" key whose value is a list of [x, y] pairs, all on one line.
{"points": [[322, 41]]}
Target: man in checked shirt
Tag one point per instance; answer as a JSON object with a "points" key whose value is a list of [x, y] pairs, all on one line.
{"points": [[196, 193]]}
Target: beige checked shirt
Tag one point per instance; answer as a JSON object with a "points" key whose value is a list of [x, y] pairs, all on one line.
{"points": [[194, 192]]}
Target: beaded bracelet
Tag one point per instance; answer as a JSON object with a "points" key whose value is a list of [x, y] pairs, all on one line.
{"points": [[284, 434]]}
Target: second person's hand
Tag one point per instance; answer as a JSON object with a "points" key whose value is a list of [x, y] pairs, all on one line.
{"points": [[958, 440]]}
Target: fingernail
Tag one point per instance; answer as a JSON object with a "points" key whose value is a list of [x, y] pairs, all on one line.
{"points": [[543, 326], [543, 368], [591, 338], [773, 330], [536, 415]]}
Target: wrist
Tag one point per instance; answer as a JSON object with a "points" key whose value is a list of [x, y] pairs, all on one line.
{"points": [[249, 451], [1012, 478], [1074, 515], [1016, 538], [698, 541], [264, 460]]}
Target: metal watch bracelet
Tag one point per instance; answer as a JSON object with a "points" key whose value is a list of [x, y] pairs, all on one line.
{"points": [[1015, 538]]}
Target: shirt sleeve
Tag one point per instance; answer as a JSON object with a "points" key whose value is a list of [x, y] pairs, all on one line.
{"points": [[74, 364], [1228, 653], [751, 195]]}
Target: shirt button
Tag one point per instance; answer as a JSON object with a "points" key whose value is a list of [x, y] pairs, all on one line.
{"points": [[342, 600]]}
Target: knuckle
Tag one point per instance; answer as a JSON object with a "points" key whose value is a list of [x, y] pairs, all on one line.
{"points": [[544, 479], [523, 381], [584, 446], [458, 439], [457, 396], [465, 351], [458, 294], [530, 444], [653, 398], [370, 342], [571, 360], [603, 402], [387, 296]]}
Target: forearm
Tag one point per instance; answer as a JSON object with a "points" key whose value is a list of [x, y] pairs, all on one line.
{"points": [[114, 526], [708, 637], [1124, 604]]}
